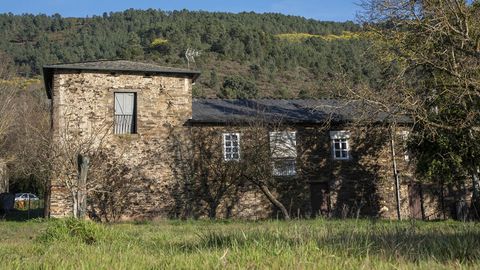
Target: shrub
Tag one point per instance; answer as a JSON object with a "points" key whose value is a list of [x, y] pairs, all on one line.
{"points": [[238, 87], [71, 229]]}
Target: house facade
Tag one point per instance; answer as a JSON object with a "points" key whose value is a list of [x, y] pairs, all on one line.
{"points": [[157, 153]]}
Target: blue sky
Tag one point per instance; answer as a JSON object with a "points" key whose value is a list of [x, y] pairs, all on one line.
{"points": [[332, 10]]}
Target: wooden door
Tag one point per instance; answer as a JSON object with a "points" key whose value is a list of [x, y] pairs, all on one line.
{"points": [[320, 198], [415, 201]]}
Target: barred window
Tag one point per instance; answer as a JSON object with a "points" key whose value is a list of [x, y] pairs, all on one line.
{"points": [[125, 113], [231, 146], [284, 167]]}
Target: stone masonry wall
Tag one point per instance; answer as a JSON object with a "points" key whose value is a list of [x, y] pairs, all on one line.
{"points": [[362, 186], [83, 110], [156, 172]]}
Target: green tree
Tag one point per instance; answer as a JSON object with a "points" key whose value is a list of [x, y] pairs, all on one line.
{"points": [[133, 49], [238, 87], [213, 79]]}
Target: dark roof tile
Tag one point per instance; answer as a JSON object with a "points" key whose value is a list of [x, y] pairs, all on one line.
{"points": [[121, 65], [295, 111]]}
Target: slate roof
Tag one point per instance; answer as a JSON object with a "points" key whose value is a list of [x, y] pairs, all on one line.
{"points": [[293, 111], [121, 65], [112, 66]]}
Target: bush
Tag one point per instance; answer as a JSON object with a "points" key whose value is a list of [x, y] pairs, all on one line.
{"points": [[69, 229], [238, 87]]}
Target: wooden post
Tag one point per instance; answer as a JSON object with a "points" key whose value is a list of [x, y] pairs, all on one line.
{"points": [[28, 211], [83, 163]]}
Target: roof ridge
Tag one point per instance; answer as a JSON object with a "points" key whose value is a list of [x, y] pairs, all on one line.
{"points": [[87, 61], [153, 64]]}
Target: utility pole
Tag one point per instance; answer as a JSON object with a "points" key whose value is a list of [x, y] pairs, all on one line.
{"points": [[395, 171]]}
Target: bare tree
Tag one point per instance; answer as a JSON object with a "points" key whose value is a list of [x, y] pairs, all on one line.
{"points": [[73, 153], [204, 177], [258, 158], [7, 98], [7, 113], [208, 177]]}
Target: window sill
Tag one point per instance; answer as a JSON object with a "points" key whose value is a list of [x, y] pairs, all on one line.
{"points": [[132, 136], [286, 176]]}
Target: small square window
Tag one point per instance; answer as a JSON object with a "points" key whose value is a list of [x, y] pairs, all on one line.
{"points": [[340, 145], [231, 149]]}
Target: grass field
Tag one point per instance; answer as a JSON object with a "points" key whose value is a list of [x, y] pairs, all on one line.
{"points": [[307, 244]]}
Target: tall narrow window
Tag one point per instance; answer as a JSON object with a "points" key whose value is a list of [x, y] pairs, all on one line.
{"points": [[283, 146], [340, 145], [125, 113], [231, 146]]}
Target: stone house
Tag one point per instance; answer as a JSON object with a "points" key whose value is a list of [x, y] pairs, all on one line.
{"points": [[139, 123]]}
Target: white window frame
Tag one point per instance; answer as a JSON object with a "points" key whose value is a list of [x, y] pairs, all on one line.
{"points": [[341, 137], [283, 148], [291, 147], [231, 146]]}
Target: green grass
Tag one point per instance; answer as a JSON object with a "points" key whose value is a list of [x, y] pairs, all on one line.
{"points": [[308, 244]]}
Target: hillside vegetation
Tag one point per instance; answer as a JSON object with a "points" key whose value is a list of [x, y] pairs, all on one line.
{"points": [[281, 56]]}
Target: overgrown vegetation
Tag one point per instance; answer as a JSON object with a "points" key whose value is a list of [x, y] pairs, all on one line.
{"points": [[229, 44], [313, 244], [72, 229], [430, 53]]}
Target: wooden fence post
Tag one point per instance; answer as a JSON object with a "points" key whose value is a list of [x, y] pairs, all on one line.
{"points": [[83, 163]]}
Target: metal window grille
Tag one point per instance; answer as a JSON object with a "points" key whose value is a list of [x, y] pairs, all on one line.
{"points": [[124, 124], [231, 146], [284, 167], [125, 113]]}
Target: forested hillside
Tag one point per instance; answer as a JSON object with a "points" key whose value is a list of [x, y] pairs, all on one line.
{"points": [[259, 54]]}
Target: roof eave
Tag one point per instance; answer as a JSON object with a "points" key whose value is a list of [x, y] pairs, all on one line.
{"points": [[193, 73], [49, 70], [47, 80]]}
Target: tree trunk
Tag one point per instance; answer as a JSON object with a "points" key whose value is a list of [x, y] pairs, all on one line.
{"points": [[475, 194], [4, 187], [212, 210], [274, 201], [46, 199], [475, 182], [75, 203], [83, 162]]}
